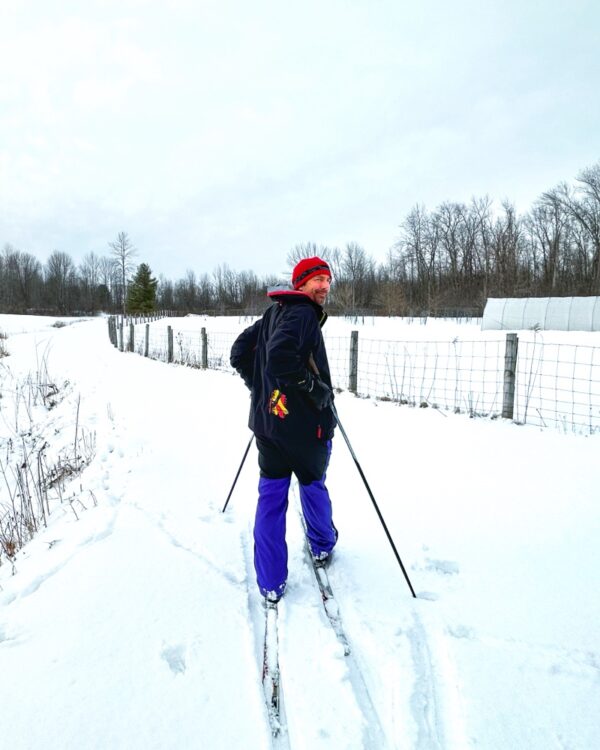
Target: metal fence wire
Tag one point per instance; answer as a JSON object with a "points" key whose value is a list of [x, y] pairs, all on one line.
{"points": [[554, 384], [464, 376], [558, 384]]}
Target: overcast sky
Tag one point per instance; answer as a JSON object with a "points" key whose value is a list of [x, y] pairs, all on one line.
{"points": [[228, 131]]}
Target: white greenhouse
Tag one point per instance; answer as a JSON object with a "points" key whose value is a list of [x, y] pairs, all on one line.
{"points": [[543, 313]]}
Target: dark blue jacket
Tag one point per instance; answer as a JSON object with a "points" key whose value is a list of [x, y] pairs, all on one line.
{"points": [[272, 356]]}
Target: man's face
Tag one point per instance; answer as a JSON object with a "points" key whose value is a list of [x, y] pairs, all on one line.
{"points": [[317, 288]]}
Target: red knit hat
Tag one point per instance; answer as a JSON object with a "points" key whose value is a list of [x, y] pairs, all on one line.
{"points": [[307, 268]]}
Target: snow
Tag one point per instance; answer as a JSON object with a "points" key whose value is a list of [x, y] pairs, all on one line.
{"points": [[136, 623]]}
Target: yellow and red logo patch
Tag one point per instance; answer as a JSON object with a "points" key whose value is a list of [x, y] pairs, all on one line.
{"points": [[278, 404]]}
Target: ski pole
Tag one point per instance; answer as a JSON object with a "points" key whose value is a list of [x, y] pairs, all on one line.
{"points": [[315, 369], [238, 473], [385, 528]]}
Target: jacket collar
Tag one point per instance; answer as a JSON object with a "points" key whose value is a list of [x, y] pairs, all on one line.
{"points": [[287, 296]]}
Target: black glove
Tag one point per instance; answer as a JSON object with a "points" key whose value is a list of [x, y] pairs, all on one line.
{"points": [[317, 391]]}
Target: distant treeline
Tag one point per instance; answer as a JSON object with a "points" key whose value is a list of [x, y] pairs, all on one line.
{"points": [[446, 261]]}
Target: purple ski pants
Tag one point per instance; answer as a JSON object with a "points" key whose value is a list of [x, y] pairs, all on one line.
{"points": [[270, 548]]}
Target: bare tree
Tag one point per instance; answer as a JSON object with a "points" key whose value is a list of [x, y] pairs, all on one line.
{"points": [[419, 243], [165, 294], [482, 210], [61, 281], [108, 274], [89, 275], [506, 244], [205, 292], [302, 250], [185, 292], [20, 279], [584, 205], [124, 251], [547, 224], [353, 277], [226, 287], [450, 220], [308, 250]]}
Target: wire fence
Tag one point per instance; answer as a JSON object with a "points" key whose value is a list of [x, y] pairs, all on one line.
{"points": [[463, 376], [558, 384], [552, 384]]}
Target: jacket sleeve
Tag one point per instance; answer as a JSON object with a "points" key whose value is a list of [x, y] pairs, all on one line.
{"points": [[289, 347], [242, 353]]}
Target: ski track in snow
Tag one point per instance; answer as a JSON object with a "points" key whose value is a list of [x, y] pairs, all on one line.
{"points": [[370, 733], [373, 736], [435, 702], [162, 521]]}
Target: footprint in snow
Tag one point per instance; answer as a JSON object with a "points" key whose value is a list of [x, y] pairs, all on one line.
{"points": [[9, 638], [429, 596], [446, 567], [175, 658], [461, 631]]}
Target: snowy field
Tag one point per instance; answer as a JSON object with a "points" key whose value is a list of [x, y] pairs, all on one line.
{"points": [[133, 621]]}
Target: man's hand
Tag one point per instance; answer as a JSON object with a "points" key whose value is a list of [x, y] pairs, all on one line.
{"points": [[321, 394], [317, 391]]}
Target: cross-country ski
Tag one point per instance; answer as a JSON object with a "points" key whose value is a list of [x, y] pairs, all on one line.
{"points": [[270, 672]]}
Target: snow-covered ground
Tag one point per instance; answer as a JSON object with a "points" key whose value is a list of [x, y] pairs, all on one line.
{"points": [[136, 623]]}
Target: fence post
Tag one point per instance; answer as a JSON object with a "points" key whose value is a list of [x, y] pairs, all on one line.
{"points": [[353, 384], [169, 344], [510, 375], [147, 341], [121, 335], [131, 337], [204, 349]]}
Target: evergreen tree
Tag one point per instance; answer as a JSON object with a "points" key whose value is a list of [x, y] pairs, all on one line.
{"points": [[141, 295]]}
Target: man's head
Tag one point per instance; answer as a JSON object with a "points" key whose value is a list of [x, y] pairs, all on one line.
{"points": [[313, 277]]}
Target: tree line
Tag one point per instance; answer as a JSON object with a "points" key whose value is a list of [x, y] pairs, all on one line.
{"points": [[445, 261]]}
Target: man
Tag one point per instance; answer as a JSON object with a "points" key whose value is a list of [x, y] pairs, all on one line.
{"points": [[283, 361]]}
